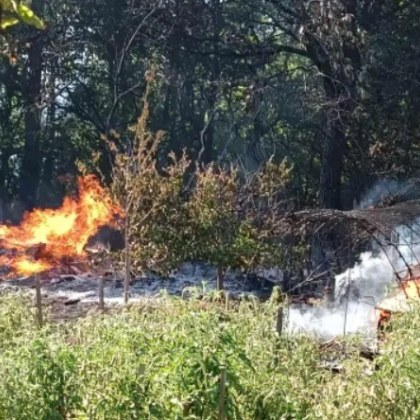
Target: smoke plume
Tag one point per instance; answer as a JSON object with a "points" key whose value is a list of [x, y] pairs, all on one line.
{"points": [[359, 289], [405, 190]]}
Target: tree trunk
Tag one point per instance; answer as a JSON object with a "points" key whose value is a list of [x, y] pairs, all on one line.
{"points": [[208, 142], [340, 88], [31, 161], [47, 194], [332, 168], [3, 176], [208, 133]]}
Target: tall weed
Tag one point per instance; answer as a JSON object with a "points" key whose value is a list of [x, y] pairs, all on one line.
{"points": [[163, 360]]}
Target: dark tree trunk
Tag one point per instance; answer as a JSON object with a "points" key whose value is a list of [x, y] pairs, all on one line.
{"points": [[340, 87], [7, 131], [332, 168], [334, 141], [31, 161], [49, 145], [208, 143], [208, 132]]}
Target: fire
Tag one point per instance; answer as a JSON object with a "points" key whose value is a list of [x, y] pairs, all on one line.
{"points": [[383, 316], [401, 300], [53, 235], [411, 288], [25, 266]]}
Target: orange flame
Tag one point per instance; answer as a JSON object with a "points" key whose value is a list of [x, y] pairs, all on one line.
{"points": [[383, 316], [411, 288], [408, 290], [61, 233]]}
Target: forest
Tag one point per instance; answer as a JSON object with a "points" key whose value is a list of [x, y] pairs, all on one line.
{"points": [[209, 209], [330, 86]]}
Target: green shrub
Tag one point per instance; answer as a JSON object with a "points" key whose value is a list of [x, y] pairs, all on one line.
{"points": [[15, 319], [178, 211]]}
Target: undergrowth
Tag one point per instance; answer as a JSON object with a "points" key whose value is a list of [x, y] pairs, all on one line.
{"points": [[163, 360]]}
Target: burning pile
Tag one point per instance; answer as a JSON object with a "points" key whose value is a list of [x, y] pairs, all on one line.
{"points": [[46, 238], [401, 300]]}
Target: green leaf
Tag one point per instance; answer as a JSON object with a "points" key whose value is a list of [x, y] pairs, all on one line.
{"points": [[29, 17], [7, 22], [7, 5]]}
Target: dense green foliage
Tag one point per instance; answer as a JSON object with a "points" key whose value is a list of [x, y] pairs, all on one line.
{"points": [[331, 85], [162, 360]]}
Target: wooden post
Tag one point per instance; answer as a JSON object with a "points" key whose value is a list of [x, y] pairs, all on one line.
{"points": [[101, 294], [222, 392], [38, 301], [348, 290], [219, 278], [227, 301], [127, 278], [346, 309], [279, 320]]}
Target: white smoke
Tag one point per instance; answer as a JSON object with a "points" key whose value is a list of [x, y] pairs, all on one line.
{"points": [[358, 290], [326, 323], [388, 187], [368, 278], [380, 190]]}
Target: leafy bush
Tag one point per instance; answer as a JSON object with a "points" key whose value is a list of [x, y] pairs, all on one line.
{"points": [[163, 359], [152, 199], [217, 216]]}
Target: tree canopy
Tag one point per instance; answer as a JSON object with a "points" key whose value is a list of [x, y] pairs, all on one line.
{"points": [[332, 85]]}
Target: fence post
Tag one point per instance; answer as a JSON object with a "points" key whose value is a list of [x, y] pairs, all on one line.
{"points": [[222, 392], [127, 276], [279, 320], [219, 278], [38, 301], [101, 293]]}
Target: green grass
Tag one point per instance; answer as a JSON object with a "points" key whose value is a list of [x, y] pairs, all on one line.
{"points": [[163, 361]]}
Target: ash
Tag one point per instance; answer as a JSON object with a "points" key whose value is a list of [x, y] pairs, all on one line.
{"points": [[190, 279]]}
